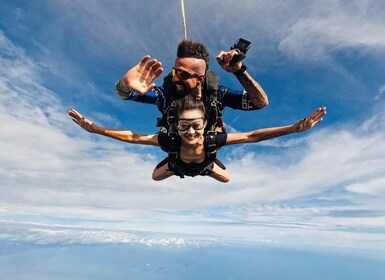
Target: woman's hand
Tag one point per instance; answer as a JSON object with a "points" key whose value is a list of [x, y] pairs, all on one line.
{"points": [[84, 123], [307, 123]]}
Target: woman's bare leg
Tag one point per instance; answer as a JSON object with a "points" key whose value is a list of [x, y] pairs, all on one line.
{"points": [[222, 175], [162, 173]]}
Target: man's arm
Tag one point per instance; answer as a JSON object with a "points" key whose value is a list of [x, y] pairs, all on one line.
{"points": [[254, 90]]}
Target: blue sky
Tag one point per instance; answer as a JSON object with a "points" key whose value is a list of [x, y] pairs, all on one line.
{"points": [[60, 184]]}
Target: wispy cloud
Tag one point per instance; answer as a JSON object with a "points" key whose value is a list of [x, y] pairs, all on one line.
{"points": [[331, 26], [381, 91]]}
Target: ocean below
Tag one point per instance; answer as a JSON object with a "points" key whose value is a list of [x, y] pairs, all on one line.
{"points": [[19, 261]]}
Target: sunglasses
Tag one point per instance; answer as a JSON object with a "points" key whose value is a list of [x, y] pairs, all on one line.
{"points": [[183, 125], [183, 75]]}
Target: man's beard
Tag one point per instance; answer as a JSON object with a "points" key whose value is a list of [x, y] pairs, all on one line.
{"points": [[182, 90]]}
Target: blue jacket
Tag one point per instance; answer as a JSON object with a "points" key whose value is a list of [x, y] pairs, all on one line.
{"points": [[160, 96]]}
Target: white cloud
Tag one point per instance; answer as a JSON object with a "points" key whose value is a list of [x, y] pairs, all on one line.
{"points": [[333, 158], [333, 25], [37, 151], [374, 187], [43, 235], [381, 91]]}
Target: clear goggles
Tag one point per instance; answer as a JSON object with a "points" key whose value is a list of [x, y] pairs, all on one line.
{"points": [[185, 124]]}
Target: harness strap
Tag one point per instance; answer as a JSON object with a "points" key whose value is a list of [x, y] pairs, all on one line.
{"points": [[173, 154], [211, 96], [211, 145], [213, 114]]}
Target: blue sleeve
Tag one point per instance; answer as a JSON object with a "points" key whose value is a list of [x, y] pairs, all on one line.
{"points": [[149, 97], [157, 96], [236, 99]]}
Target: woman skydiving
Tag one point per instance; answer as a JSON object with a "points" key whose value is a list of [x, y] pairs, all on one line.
{"points": [[191, 157]]}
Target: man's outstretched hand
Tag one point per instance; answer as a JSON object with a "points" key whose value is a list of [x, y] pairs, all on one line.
{"points": [[140, 78]]}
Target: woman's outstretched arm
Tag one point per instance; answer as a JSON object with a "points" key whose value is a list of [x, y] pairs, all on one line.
{"points": [[122, 135], [273, 132]]}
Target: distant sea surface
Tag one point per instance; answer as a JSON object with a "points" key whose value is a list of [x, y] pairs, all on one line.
{"points": [[140, 262]]}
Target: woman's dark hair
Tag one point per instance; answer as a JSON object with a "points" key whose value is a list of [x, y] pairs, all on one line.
{"points": [[194, 49], [189, 102]]}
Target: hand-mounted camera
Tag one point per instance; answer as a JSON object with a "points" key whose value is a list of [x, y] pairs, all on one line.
{"points": [[242, 46]]}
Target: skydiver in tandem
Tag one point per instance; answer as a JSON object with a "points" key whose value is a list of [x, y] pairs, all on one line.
{"points": [[191, 74], [191, 157]]}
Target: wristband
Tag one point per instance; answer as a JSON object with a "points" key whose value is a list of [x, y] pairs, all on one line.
{"points": [[241, 70], [120, 92]]}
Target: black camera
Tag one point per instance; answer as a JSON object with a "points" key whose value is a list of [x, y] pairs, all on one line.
{"points": [[242, 46]]}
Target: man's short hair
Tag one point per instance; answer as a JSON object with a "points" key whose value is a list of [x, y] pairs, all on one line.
{"points": [[194, 49]]}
